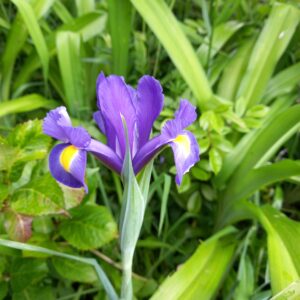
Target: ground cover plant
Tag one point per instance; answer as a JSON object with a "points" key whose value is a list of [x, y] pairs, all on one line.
{"points": [[230, 230]]}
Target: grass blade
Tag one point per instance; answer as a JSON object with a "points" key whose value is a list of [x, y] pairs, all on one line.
{"points": [[165, 26], [34, 29], [200, 276], [119, 19], [268, 49], [25, 104], [90, 261], [164, 201], [68, 52]]}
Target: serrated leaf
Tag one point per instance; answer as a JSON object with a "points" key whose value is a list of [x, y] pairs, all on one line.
{"points": [[90, 227], [72, 196], [18, 226], [25, 271], [3, 192], [74, 270], [29, 141], [41, 196]]}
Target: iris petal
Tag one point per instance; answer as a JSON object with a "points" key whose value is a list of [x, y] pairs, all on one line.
{"points": [[67, 165], [114, 101], [54, 121], [186, 153], [148, 103], [184, 145]]}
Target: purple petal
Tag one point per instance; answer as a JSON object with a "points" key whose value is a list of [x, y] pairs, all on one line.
{"points": [[99, 121], [186, 113], [78, 136], [54, 121], [147, 152], [186, 153], [184, 116], [67, 165], [114, 101], [148, 103], [106, 155], [184, 145]]}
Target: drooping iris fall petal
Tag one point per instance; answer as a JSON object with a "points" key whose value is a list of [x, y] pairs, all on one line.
{"points": [[67, 165]]}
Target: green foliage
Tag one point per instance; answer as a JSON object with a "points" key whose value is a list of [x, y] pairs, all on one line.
{"points": [[239, 62], [89, 227]]}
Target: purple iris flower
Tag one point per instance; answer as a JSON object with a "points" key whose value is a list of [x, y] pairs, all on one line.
{"points": [[140, 108]]}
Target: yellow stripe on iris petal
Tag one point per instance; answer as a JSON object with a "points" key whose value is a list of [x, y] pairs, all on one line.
{"points": [[67, 156], [184, 143]]}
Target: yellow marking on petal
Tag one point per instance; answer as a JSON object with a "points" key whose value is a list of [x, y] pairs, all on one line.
{"points": [[67, 156], [184, 143]]}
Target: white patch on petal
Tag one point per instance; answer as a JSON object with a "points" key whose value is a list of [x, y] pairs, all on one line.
{"points": [[184, 145]]}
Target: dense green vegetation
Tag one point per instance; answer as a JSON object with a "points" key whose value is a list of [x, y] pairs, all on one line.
{"points": [[232, 229]]}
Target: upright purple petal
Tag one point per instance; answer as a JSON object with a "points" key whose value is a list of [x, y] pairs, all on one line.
{"points": [[149, 103], [114, 101], [54, 121], [186, 113], [67, 165]]}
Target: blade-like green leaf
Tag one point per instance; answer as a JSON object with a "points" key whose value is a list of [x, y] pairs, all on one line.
{"points": [[85, 6], [283, 247], [268, 49], [90, 261], [119, 19], [165, 26], [283, 83], [259, 145], [200, 276], [234, 72], [25, 104], [68, 51], [222, 33], [258, 178], [34, 29]]}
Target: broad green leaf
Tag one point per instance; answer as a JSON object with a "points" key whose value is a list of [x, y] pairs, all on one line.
{"points": [[34, 293], [31, 22], [25, 271], [25, 104], [40, 196], [68, 52], [201, 275], [3, 289], [29, 141], [163, 23], [119, 19], [283, 83], [215, 160], [74, 270], [4, 191], [72, 196], [89, 227], [268, 49], [255, 179], [18, 226], [283, 247]]}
